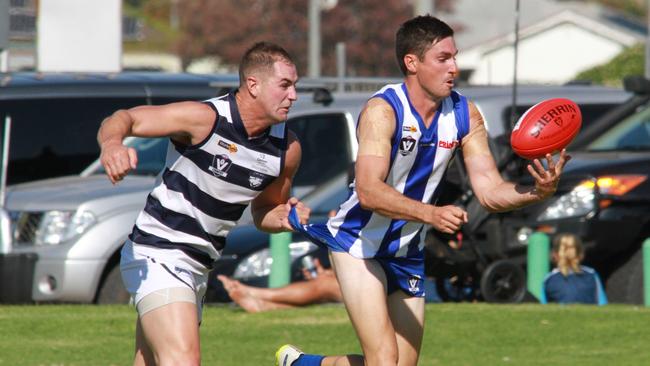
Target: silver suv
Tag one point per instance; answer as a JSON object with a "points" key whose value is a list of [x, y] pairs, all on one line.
{"points": [[74, 226]]}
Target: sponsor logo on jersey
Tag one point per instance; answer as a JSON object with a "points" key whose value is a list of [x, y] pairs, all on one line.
{"points": [[220, 165], [255, 179], [410, 128], [230, 147], [448, 144], [414, 282], [406, 145]]}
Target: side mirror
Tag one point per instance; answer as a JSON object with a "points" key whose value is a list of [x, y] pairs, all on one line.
{"points": [[636, 84]]}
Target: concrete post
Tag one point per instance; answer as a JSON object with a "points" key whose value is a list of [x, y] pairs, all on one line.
{"points": [[281, 266], [538, 262], [646, 272]]}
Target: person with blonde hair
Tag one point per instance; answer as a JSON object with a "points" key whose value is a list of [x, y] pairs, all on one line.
{"points": [[571, 282]]}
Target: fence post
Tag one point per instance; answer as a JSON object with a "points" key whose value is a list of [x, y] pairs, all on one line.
{"points": [[646, 272], [281, 265], [538, 262]]}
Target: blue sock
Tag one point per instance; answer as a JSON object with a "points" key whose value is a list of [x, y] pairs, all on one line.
{"points": [[308, 360]]}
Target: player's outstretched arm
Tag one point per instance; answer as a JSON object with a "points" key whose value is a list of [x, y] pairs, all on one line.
{"points": [[491, 189], [271, 208], [186, 122], [375, 131]]}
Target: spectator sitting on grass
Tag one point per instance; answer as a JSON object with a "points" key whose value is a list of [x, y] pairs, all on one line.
{"points": [[571, 282], [317, 289]]}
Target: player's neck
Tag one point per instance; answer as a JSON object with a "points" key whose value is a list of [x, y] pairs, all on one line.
{"points": [[424, 103], [252, 115]]}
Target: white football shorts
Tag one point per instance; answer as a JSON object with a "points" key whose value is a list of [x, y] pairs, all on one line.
{"points": [[156, 277]]}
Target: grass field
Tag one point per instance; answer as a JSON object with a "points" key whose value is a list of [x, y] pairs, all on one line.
{"points": [[456, 334]]}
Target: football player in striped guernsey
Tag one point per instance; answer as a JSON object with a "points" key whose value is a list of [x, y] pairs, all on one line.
{"points": [[407, 135], [224, 154]]}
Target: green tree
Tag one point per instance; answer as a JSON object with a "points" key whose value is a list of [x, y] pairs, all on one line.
{"points": [[629, 62]]}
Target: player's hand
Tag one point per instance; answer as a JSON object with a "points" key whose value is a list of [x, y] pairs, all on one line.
{"points": [[118, 160], [546, 180], [447, 219], [302, 211]]}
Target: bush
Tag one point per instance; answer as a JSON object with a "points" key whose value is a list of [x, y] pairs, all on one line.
{"points": [[628, 62]]}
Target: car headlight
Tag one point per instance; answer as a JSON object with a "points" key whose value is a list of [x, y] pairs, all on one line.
{"points": [[57, 227], [259, 263], [579, 202]]}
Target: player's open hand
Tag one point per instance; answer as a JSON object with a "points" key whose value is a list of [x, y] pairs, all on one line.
{"points": [[118, 160], [546, 180], [447, 219]]}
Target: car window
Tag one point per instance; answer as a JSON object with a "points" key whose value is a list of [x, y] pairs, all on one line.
{"points": [[632, 133], [55, 137], [325, 149]]}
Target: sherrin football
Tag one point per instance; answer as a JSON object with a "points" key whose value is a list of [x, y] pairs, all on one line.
{"points": [[546, 127]]}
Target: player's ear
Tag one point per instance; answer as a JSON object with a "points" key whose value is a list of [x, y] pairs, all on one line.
{"points": [[252, 85], [410, 61]]}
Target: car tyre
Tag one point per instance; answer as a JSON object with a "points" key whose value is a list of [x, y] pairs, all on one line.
{"points": [[503, 282], [112, 290]]}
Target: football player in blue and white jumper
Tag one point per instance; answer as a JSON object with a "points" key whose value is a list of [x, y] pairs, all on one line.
{"points": [[224, 153], [407, 134]]}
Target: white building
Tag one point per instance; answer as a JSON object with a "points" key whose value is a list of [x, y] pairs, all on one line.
{"points": [[557, 40]]}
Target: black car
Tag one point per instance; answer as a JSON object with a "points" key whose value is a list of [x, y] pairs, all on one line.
{"points": [[603, 196]]}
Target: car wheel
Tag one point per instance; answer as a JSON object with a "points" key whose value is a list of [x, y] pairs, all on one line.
{"points": [[503, 282], [456, 289], [113, 291], [625, 284]]}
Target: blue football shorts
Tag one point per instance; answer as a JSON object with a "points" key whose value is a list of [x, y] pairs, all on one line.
{"points": [[402, 273]]}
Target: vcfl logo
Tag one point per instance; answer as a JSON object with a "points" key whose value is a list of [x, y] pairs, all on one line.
{"points": [[406, 145], [220, 165]]}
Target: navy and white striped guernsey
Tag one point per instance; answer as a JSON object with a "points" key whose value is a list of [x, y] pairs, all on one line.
{"points": [[204, 189], [418, 161]]}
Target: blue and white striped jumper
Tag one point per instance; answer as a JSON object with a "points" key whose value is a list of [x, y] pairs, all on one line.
{"points": [[204, 189], [418, 161]]}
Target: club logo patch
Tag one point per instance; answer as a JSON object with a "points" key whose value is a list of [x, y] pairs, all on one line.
{"points": [[255, 179], [220, 166], [406, 145], [414, 283]]}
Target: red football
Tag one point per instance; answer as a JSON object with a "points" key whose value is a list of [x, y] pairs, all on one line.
{"points": [[546, 127]]}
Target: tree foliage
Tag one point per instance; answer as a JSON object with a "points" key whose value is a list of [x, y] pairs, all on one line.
{"points": [[367, 27], [628, 62]]}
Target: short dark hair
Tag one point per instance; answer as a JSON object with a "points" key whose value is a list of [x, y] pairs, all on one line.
{"points": [[262, 55], [416, 36]]}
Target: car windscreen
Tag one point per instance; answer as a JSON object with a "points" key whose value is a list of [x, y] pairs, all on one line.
{"points": [[631, 134], [53, 137], [151, 156]]}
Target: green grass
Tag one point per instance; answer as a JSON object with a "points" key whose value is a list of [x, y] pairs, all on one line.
{"points": [[455, 334]]}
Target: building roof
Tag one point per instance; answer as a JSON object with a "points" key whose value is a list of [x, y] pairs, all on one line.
{"points": [[482, 21]]}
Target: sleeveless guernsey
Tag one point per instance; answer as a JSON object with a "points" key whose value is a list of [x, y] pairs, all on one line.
{"points": [[418, 161], [204, 189]]}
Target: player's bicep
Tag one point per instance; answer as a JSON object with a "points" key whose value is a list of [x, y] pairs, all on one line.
{"points": [[193, 120], [376, 128], [476, 140], [375, 133]]}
